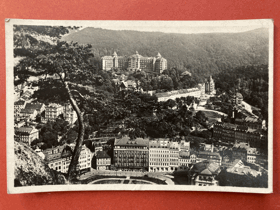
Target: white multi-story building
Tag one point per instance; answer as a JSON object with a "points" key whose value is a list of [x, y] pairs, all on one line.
{"points": [[27, 134], [53, 111], [69, 114], [85, 159], [184, 145], [159, 155], [185, 160], [195, 92], [18, 106], [103, 160], [28, 114], [174, 155], [59, 158]]}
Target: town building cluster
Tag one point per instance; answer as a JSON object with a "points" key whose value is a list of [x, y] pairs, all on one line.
{"points": [[59, 158], [26, 114], [134, 62], [164, 155], [161, 155], [249, 133]]}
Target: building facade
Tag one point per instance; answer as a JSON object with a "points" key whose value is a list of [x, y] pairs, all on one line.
{"points": [[236, 133], [69, 114], [131, 154], [209, 86], [39, 107], [186, 160], [18, 106], [209, 156], [134, 62], [174, 155], [53, 111], [59, 158], [248, 154], [28, 114], [103, 161], [195, 92], [159, 155], [27, 134], [204, 174]]}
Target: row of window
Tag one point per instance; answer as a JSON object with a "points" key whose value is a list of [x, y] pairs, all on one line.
{"points": [[161, 160], [159, 164], [157, 155], [159, 151], [131, 164]]}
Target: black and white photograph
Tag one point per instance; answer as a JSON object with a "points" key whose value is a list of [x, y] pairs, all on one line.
{"points": [[139, 105]]}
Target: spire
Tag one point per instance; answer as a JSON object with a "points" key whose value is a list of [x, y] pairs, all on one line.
{"points": [[115, 54], [136, 52], [158, 55]]}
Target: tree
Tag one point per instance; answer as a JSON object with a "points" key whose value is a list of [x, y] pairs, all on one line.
{"points": [[64, 60]]}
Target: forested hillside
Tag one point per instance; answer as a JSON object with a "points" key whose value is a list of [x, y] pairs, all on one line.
{"points": [[251, 81], [201, 54]]}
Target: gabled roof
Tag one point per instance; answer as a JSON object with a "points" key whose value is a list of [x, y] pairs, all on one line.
{"points": [[237, 163], [102, 154], [206, 172], [206, 167], [124, 84]]}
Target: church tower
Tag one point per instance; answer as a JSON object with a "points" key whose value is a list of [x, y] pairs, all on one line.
{"points": [[115, 60]]}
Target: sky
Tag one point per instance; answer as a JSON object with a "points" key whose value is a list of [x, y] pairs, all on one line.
{"points": [[186, 27]]}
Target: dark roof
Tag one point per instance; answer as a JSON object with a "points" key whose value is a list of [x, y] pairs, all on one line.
{"points": [[25, 129], [208, 153], [206, 167], [20, 102], [126, 141], [29, 111], [36, 106], [102, 154]]}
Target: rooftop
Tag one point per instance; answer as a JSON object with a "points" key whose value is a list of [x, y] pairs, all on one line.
{"points": [[28, 111], [36, 106], [159, 143], [25, 129], [53, 105], [206, 167], [20, 102], [126, 141], [102, 154]]}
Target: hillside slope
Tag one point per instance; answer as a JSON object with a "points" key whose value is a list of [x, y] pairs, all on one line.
{"points": [[201, 54], [31, 169]]}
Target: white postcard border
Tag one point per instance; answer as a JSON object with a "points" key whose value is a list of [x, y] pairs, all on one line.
{"points": [[268, 23]]}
